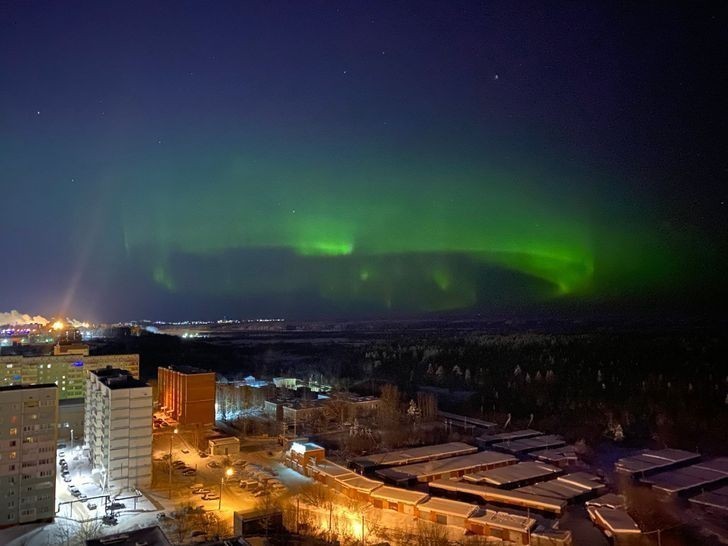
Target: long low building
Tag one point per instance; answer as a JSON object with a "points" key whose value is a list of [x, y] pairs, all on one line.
{"points": [[413, 455], [689, 478], [583, 480], [509, 477], [509, 528], [445, 511], [526, 445], [397, 499], [652, 461], [609, 500], [559, 456], [613, 521], [489, 439], [492, 495], [716, 500], [445, 468]]}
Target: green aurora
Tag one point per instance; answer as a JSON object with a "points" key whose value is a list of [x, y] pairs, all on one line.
{"points": [[389, 235]]}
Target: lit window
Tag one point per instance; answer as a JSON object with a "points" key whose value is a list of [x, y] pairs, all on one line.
{"points": [[13, 431], [48, 365]]}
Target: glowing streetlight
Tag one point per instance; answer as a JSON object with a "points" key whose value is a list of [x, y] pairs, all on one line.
{"points": [[58, 325], [228, 473]]}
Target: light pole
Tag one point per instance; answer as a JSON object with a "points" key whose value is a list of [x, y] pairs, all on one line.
{"points": [[227, 474], [71, 439], [169, 461]]}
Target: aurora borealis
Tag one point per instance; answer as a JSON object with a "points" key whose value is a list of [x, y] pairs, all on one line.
{"points": [[182, 160]]}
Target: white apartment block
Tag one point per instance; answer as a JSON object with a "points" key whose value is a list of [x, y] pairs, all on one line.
{"points": [[118, 427], [28, 434]]}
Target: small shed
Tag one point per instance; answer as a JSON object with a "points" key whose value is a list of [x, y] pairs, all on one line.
{"points": [[227, 445]]}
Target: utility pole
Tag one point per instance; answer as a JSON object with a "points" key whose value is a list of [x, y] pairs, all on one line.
{"points": [[169, 461]]}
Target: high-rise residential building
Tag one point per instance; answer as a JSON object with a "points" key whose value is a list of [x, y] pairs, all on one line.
{"points": [[28, 435], [67, 369], [118, 427], [187, 394]]}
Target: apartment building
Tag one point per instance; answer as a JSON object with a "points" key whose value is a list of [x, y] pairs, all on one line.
{"points": [[187, 394], [118, 427], [67, 369], [28, 435]]}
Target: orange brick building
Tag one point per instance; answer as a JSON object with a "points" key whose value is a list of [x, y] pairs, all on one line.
{"points": [[187, 394]]}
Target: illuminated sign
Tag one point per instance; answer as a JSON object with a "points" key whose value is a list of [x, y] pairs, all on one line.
{"points": [[78, 364]]}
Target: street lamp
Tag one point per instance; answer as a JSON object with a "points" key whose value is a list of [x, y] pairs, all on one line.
{"points": [[169, 461], [227, 474]]}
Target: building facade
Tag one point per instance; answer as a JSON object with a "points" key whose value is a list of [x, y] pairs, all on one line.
{"points": [[118, 427], [187, 394], [28, 435], [67, 370]]}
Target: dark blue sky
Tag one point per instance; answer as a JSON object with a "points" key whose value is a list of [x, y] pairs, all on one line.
{"points": [[181, 160]]}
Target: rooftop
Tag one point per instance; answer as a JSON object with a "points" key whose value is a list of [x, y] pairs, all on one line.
{"points": [[398, 494], [505, 520], [716, 499], [450, 507], [187, 370], [689, 477], [501, 496], [609, 500], [653, 460], [512, 435], [115, 378], [414, 454], [525, 445], [513, 474], [359, 482], [442, 466], [614, 520]]}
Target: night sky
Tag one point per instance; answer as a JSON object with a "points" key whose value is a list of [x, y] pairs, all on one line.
{"points": [[173, 160]]}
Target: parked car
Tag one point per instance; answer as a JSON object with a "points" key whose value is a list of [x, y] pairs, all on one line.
{"points": [[197, 485], [203, 454], [91, 506], [109, 520], [67, 479], [76, 493], [189, 472], [185, 451], [162, 516], [213, 464], [201, 491], [61, 446], [197, 533], [117, 506], [82, 497], [61, 461], [211, 496]]}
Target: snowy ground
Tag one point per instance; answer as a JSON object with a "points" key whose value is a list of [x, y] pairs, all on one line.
{"points": [[165, 495]]}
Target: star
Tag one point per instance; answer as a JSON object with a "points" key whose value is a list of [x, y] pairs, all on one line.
{"points": [[496, 76], [37, 113]]}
